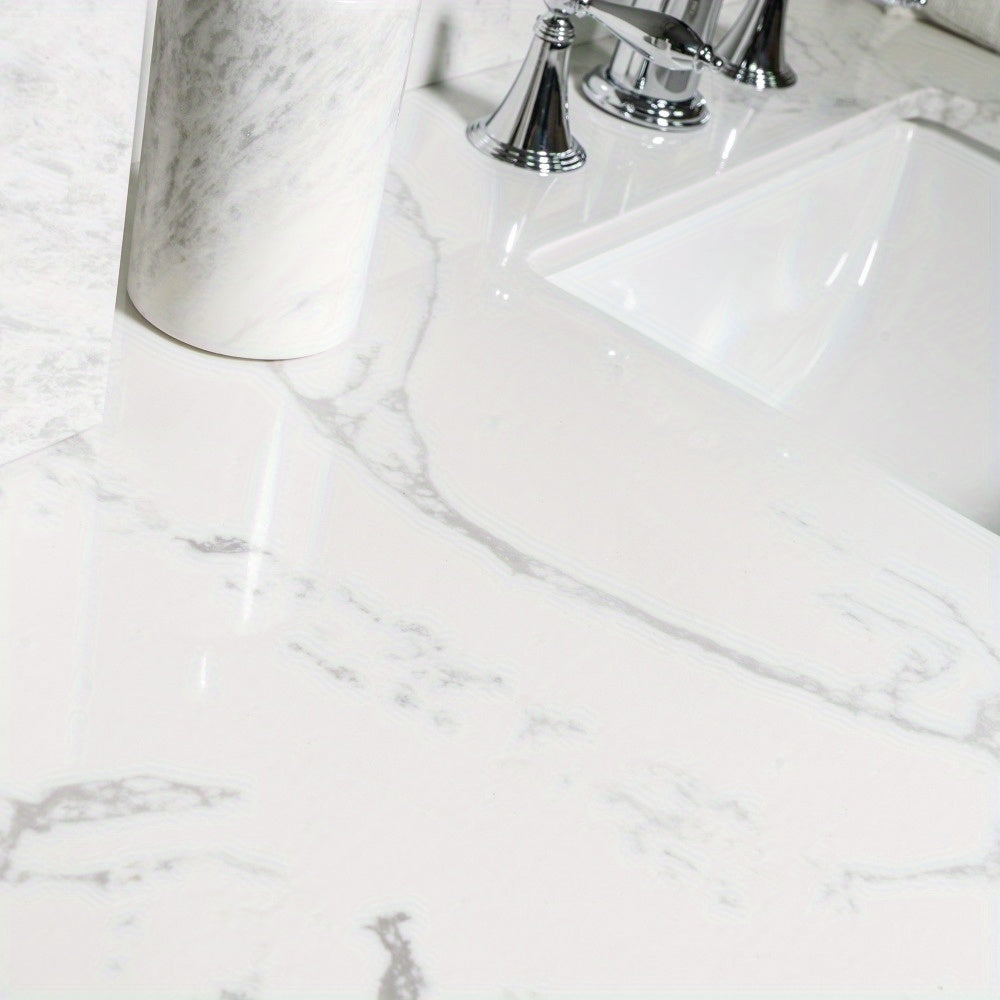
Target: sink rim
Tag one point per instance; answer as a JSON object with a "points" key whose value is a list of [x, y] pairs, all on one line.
{"points": [[810, 156]]}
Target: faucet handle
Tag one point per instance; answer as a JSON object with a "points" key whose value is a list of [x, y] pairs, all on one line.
{"points": [[530, 128], [753, 48], [663, 40]]}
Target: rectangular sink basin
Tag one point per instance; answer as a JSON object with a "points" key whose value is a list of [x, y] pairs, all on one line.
{"points": [[858, 291]]}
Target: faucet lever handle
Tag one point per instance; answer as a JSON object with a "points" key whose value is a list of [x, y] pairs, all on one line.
{"points": [[663, 40]]}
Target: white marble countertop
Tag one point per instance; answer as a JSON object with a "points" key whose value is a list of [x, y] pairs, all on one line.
{"points": [[499, 653]]}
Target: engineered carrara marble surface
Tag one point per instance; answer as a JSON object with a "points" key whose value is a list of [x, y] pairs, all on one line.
{"points": [[69, 75], [499, 653]]}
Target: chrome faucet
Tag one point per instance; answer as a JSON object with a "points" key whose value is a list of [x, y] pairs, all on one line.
{"points": [[652, 78], [635, 90], [660, 38]]}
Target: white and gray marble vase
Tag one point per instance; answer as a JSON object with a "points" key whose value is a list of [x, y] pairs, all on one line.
{"points": [[267, 134]]}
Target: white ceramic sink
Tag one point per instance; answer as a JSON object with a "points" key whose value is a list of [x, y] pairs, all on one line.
{"points": [[858, 291]]}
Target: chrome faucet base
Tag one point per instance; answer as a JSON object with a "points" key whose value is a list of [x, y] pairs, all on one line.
{"points": [[760, 77], [540, 160], [632, 88], [531, 129], [753, 49], [641, 109]]}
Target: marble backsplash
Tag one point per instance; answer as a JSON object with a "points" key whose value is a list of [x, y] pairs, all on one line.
{"points": [[69, 72]]}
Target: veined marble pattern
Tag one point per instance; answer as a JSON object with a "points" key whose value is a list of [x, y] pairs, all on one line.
{"points": [[69, 72], [267, 134], [496, 653]]}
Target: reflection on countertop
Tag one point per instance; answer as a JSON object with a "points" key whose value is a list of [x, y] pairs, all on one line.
{"points": [[501, 652]]}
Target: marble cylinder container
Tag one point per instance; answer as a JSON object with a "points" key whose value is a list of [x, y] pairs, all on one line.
{"points": [[267, 134]]}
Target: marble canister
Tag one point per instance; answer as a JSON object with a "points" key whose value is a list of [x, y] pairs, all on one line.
{"points": [[267, 134]]}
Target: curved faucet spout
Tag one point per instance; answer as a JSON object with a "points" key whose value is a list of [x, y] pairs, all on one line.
{"points": [[664, 40]]}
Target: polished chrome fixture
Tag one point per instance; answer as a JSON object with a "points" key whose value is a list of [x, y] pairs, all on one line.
{"points": [[637, 90], [661, 38], [652, 78], [753, 48], [629, 88], [531, 127]]}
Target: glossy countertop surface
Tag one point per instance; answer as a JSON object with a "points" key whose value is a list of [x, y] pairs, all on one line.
{"points": [[501, 653]]}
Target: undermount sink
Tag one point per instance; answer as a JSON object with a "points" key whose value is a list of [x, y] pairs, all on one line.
{"points": [[858, 290]]}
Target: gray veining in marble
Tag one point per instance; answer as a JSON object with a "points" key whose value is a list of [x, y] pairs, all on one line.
{"points": [[403, 979], [331, 581], [267, 132], [96, 802], [69, 74], [378, 392]]}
